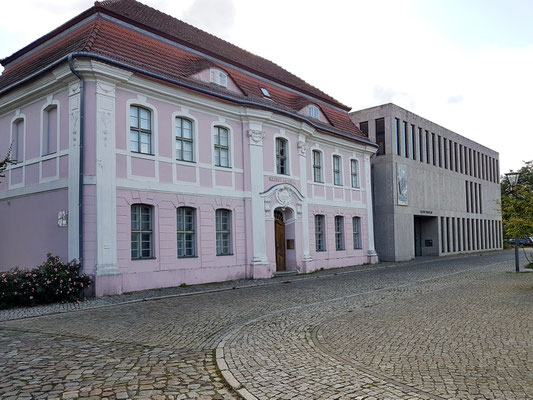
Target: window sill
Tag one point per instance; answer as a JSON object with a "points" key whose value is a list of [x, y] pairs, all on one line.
{"points": [[142, 154], [182, 257], [225, 255], [223, 167], [143, 259], [321, 251], [185, 161]]}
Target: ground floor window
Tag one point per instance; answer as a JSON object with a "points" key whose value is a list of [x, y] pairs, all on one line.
{"points": [[186, 231], [339, 232], [357, 233], [141, 232], [223, 232], [319, 233]]}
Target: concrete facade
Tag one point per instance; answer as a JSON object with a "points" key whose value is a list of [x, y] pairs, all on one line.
{"points": [[435, 192]]}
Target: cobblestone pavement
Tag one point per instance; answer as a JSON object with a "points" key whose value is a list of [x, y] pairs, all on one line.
{"points": [[454, 328]]}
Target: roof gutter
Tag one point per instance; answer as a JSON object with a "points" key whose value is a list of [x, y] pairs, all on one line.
{"points": [[81, 170], [189, 86]]}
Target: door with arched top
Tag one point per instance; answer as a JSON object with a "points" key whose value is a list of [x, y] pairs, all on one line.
{"points": [[279, 229]]}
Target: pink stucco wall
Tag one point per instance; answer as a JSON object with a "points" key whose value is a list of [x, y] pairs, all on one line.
{"points": [[29, 229]]}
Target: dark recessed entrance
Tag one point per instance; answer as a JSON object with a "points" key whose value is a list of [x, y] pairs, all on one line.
{"points": [[279, 229], [426, 236]]}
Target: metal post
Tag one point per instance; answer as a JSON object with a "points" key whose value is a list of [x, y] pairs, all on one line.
{"points": [[516, 259]]}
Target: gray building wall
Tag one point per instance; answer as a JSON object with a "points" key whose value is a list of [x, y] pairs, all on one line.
{"points": [[438, 189]]}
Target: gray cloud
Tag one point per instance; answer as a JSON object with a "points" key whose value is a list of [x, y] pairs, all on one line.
{"points": [[214, 16]]}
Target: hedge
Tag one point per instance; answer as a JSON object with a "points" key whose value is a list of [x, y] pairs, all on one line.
{"points": [[51, 282]]}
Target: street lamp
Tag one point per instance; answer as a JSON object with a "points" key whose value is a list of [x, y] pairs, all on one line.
{"points": [[512, 177]]}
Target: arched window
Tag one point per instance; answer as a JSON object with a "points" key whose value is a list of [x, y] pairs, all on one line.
{"points": [[356, 233], [17, 140], [218, 77], [140, 130], [337, 167], [222, 147], [313, 111], [320, 233], [282, 160], [317, 166], [223, 232], [339, 232], [186, 232], [141, 232], [50, 129], [184, 139], [355, 173]]}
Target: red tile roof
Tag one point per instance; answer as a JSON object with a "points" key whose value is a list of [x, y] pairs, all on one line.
{"points": [[103, 37]]}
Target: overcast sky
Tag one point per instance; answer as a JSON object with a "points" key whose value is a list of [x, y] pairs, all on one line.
{"points": [[464, 64]]}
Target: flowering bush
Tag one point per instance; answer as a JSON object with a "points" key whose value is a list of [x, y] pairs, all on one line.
{"points": [[54, 281]]}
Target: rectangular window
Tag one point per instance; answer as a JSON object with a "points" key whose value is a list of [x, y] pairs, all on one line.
{"points": [[461, 159], [50, 130], [476, 207], [141, 232], [428, 147], [357, 233], [420, 145], [355, 173], [456, 156], [282, 167], [396, 136], [467, 195], [440, 150], [405, 140], [186, 231], [434, 149], [380, 136], [221, 147], [140, 130], [480, 199], [339, 232], [317, 166], [184, 139], [445, 144], [337, 178], [223, 232], [442, 235], [320, 242], [413, 143], [364, 127]]}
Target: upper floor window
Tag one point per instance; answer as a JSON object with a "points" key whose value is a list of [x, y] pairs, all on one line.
{"points": [[184, 139], [320, 230], [355, 173], [317, 166], [50, 130], [140, 130], [221, 147], [413, 143], [265, 92], [186, 231], [380, 136], [356, 233], [282, 166], [218, 77], [313, 111], [17, 141], [337, 178], [223, 232], [141, 231], [339, 232], [396, 136], [405, 140], [364, 127]]}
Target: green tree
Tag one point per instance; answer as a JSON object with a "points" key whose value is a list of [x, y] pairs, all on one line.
{"points": [[517, 204]]}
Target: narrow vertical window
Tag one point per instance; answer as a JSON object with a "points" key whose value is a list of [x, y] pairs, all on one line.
{"points": [[339, 232], [17, 141], [281, 157], [355, 173], [223, 232], [420, 145], [413, 143], [184, 139], [364, 127], [428, 149], [337, 179], [140, 130], [186, 231], [461, 159], [50, 130], [317, 166], [396, 136], [405, 140], [357, 233], [446, 148], [380, 136], [141, 232], [440, 151], [320, 242], [467, 195], [221, 147], [434, 149]]}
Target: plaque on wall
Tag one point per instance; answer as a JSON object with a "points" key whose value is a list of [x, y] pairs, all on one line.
{"points": [[401, 171]]}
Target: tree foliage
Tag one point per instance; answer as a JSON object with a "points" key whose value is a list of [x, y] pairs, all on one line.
{"points": [[517, 204], [5, 163]]}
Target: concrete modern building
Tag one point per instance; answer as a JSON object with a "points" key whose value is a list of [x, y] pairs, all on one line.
{"points": [[159, 154], [435, 192]]}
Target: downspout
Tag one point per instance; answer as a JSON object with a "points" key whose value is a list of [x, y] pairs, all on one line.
{"points": [[80, 176]]}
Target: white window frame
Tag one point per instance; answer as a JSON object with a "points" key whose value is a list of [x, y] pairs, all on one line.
{"points": [[182, 232], [218, 77], [44, 118], [140, 130], [339, 171], [139, 232], [313, 111], [320, 166], [219, 232], [356, 226], [322, 233], [16, 139], [354, 174], [192, 140], [216, 146], [278, 157], [338, 223]]}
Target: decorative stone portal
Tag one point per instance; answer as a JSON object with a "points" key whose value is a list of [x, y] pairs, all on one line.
{"points": [[284, 240]]}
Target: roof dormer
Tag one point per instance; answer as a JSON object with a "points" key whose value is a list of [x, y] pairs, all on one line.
{"points": [[219, 77], [314, 111]]}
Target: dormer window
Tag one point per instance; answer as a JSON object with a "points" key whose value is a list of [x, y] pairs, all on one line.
{"points": [[313, 111], [219, 77], [265, 92]]}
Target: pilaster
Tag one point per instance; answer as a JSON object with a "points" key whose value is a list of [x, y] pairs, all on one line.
{"points": [[73, 171], [372, 255], [302, 155]]}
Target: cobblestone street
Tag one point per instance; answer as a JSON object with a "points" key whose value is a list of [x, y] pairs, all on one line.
{"points": [[448, 328]]}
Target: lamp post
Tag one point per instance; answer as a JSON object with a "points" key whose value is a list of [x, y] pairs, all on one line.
{"points": [[513, 180]]}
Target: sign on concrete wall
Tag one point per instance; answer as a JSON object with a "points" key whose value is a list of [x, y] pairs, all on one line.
{"points": [[401, 171]]}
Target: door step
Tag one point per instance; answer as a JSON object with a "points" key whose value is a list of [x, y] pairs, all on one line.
{"points": [[285, 273]]}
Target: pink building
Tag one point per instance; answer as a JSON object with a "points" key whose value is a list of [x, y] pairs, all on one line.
{"points": [[162, 155]]}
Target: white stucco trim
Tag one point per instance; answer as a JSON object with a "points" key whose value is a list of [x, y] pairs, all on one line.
{"points": [[282, 135]]}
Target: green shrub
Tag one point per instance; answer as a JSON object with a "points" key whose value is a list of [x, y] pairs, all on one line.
{"points": [[52, 282]]}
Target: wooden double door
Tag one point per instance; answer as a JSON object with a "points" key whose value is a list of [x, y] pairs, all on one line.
{"points": [[279, 232]]}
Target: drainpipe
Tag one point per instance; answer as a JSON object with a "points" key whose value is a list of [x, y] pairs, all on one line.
{"points": [[80, 176]]}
